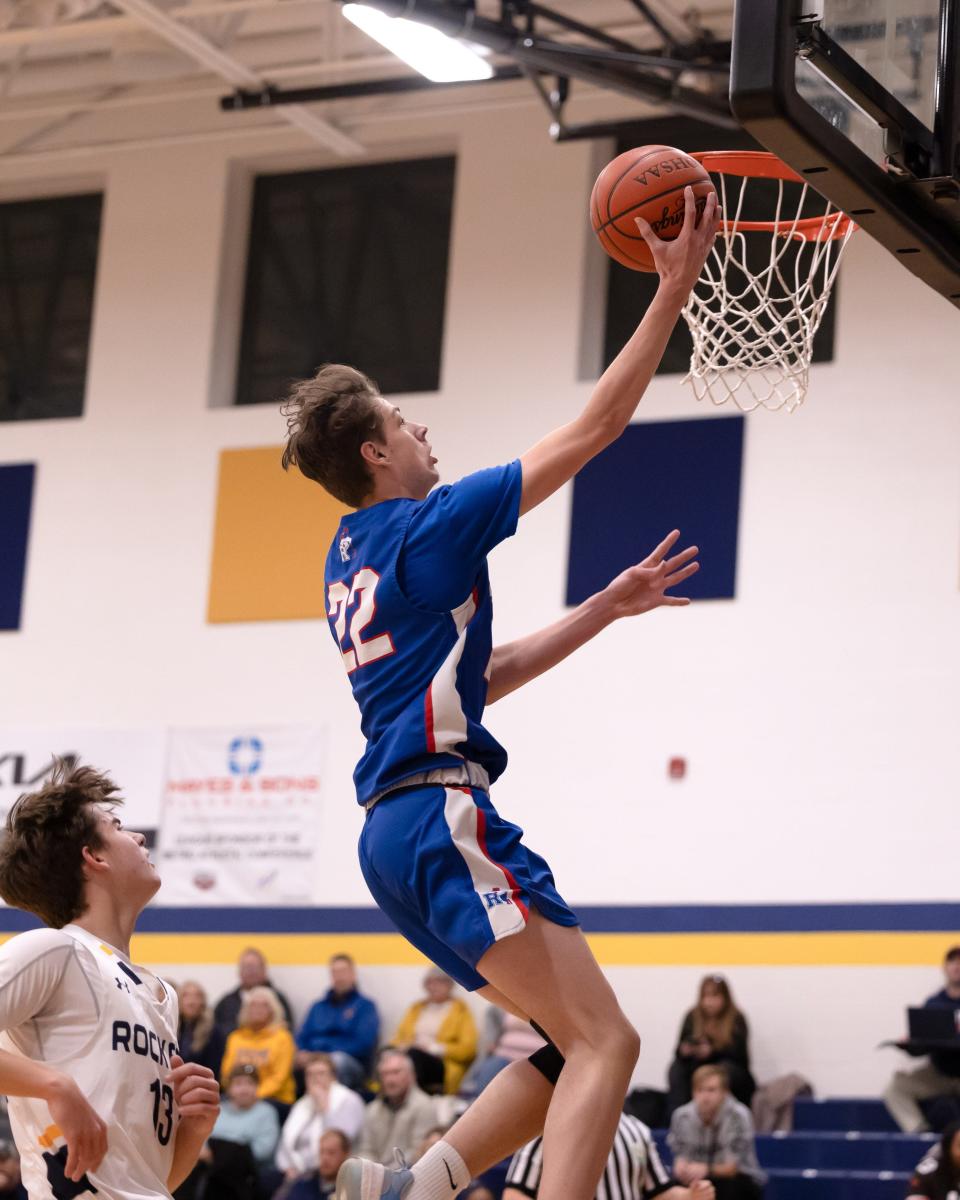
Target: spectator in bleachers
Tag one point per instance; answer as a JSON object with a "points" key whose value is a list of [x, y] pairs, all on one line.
{"points": [[245, 1118], [937, 1175], [320, 1183], [941, 1075], [712, 1138], [343, 1024], [434, 1135], [252, 969], [714, 1032], [11, 1185], [634, 1170], [439, 1033], [237, 1161], [505, 1039], [326, 1104], [401, 1116], [199, 1037], [263, 1040]]}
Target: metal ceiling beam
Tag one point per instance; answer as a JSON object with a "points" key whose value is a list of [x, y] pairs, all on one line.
{"points": [[529, 51], [197, 47], [272, 97]]}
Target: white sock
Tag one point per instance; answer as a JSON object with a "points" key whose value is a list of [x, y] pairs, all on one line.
{"points": [[439, 1175]]}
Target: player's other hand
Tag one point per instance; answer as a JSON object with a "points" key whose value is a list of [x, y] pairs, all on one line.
{"points": [[644, 587], [680, 261], [703, 1189], [85, 1133], [196, 1093]]}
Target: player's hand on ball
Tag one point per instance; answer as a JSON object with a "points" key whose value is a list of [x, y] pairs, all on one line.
{"points": [[703, 1189], [680, 261], [643, 587], [85, 1133], [196, 1093]]}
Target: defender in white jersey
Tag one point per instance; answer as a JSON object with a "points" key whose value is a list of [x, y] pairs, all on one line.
{"points": [[100, 1101]]}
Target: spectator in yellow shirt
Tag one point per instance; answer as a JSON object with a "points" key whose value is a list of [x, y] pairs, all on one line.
{"points": [[263, 1039], [439, 1028]]}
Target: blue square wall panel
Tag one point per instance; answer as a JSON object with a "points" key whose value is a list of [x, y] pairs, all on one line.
{"points": [[659, 476], [16, 496]]}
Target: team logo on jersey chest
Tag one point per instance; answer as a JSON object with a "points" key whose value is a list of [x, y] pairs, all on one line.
{"points": [[345, 543], [137, 1039]]}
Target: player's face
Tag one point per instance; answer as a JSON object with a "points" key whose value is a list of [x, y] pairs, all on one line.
{"points": [[955, 1150], [132, 874], [408, 452], [951, 971]]}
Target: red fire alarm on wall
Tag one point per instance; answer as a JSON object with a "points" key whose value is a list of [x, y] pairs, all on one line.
{"points": [[677, 768]]}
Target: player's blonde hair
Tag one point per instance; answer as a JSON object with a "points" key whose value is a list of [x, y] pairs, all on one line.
{"points": [[268, 995]]}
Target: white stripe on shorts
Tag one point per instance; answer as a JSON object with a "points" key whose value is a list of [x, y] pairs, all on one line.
{"points": [[489, 881]]}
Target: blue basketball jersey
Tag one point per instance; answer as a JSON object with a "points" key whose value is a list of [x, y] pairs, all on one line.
{"points": [[409, 605]]}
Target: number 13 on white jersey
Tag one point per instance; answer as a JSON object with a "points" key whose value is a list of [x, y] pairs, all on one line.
{"points": [[340, 598]]}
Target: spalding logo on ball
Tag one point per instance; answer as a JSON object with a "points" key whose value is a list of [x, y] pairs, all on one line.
{"points": [[647, 182]]}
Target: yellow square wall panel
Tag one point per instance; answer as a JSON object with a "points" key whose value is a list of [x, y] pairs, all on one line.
{"points": [[271, 535]]}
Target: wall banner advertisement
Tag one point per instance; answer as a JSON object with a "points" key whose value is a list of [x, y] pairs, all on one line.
{"points": [[241, 816]]}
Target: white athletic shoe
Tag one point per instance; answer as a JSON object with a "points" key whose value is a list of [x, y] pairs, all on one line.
{"points": [[360, 1179]]}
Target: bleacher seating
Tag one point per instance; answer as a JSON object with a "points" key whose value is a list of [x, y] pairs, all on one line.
{"points": [[868, 1116], [840, 1149]]}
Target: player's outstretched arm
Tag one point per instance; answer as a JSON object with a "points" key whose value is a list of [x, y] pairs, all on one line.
{"points": [[637, 590], [561, 454], [85, 1133]]}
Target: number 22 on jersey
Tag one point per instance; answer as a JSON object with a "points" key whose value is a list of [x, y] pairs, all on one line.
{"points": [[340, 598]]}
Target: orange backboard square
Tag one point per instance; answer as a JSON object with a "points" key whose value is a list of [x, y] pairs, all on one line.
{"points": [[272, 532]]}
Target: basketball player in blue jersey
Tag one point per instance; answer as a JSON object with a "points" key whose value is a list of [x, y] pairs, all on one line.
{"points": [[408, 600]]}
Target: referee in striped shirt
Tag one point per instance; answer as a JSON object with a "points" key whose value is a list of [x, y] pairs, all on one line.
{"points": [[633, 1171]]}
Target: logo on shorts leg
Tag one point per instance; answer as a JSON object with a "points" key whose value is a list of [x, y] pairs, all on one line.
{"points": [[497, 897]]}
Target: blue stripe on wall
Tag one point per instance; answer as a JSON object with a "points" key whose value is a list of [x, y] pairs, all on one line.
{"points": [[925, 917], [16, 496]]}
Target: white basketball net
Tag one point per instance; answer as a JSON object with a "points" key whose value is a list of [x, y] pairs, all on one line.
{"points": [[754, 345]]}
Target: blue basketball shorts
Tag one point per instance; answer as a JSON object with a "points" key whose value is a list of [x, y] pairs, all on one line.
{"points": [[453, 875]]}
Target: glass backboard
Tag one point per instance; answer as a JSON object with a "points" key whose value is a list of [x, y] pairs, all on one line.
{"points": [[863, 98]]}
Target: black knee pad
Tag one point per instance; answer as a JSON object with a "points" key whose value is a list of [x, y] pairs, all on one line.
{"points": [[548, 1060]]}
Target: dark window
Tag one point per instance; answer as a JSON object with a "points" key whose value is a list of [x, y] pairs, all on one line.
{"points": [[658, 476], [48, 268], [347, 265], [630, 292]]}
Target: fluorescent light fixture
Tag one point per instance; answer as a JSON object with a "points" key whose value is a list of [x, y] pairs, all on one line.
{"points": [[440, 58]]}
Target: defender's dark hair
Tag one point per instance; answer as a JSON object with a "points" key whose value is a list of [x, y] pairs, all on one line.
{"points": [[41, 854], [329, 417]]}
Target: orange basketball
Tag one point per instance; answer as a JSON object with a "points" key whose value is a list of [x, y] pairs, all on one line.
{"points": [[647, 182]]}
